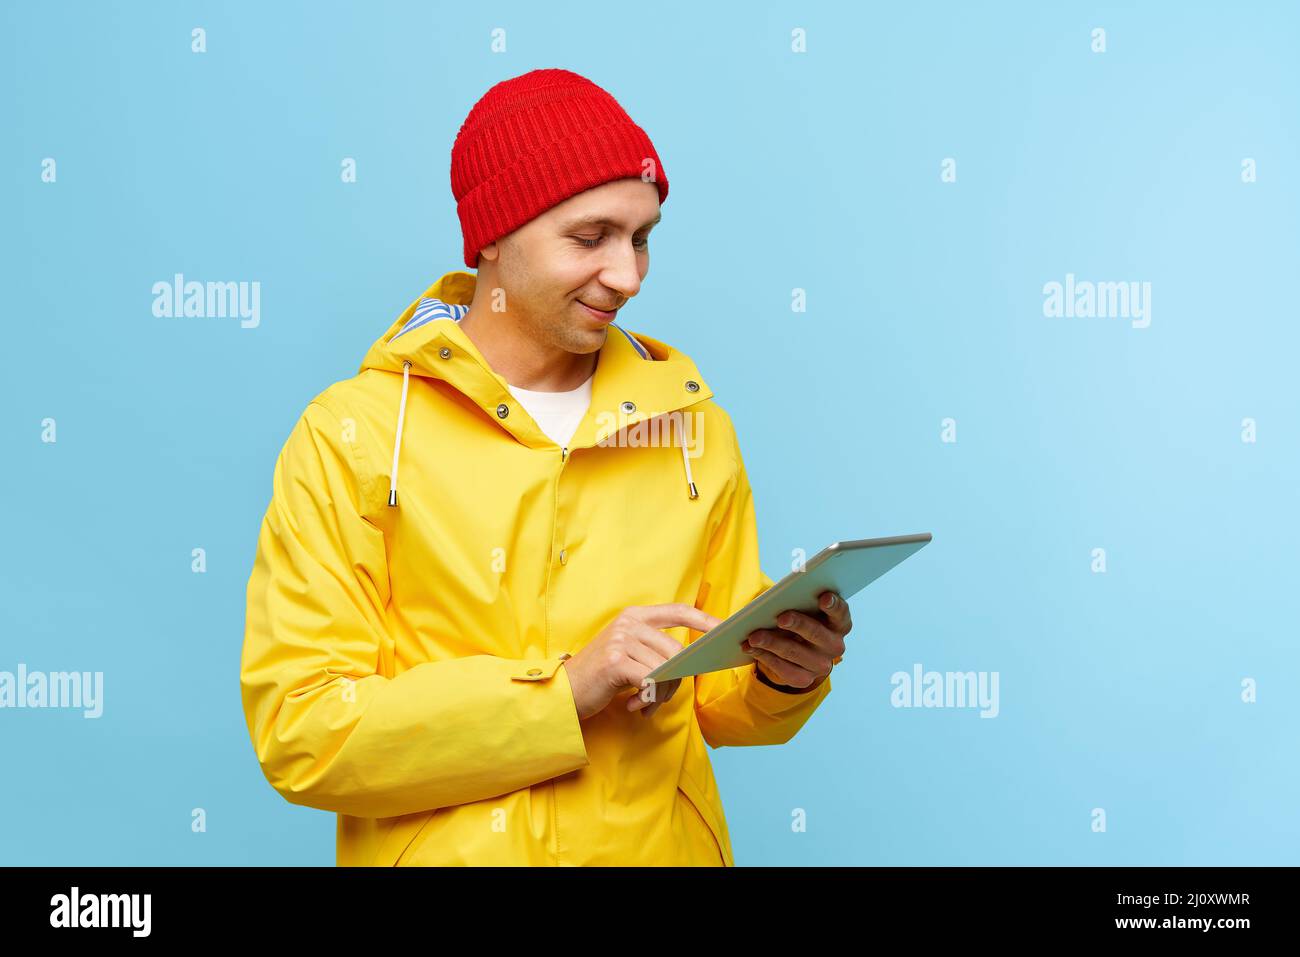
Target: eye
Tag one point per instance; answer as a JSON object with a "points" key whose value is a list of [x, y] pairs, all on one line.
{"points": [[642, 243]]}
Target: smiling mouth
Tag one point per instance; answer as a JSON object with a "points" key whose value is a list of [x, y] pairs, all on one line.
{"points": [[609, 312]]}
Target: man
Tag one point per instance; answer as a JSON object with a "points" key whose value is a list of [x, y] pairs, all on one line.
{"points": [[453, 662]]}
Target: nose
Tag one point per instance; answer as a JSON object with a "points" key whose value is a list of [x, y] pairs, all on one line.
{"points": [[621, 269]]}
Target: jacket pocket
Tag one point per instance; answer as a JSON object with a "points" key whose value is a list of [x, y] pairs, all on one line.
{"points": [[402, 836], [702, 808]]}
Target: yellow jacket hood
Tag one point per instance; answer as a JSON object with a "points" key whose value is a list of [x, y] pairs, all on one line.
{"points": [[403, 665]]}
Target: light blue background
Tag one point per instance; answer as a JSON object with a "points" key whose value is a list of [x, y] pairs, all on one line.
{"points": [[818, 171]]}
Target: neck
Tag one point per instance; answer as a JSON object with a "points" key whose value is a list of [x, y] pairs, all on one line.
{"points": [[519, 357]]}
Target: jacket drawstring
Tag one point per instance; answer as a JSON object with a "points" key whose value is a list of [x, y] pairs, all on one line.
{"points": [[686, 462], [397, 444]]}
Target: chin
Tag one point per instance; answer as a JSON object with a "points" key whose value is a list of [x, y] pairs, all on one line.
{"points": [[594, 339], [581, 342]]}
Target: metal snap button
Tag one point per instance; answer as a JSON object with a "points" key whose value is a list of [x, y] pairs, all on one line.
{"points": [[692, 385], [534, 672], [564, 557], [445, 352], [503, 410], [628, 407]]}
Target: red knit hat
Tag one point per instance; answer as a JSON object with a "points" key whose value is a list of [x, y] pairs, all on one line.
{"points": [[535, 140]]}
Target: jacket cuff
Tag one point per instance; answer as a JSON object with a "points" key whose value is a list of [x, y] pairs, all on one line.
{"points": [[557, 709], [537, 669]]}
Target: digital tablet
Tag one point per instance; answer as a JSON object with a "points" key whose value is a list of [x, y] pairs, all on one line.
{"points": [[842, 567]]}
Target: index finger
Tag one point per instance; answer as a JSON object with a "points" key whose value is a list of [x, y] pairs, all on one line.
{"points": [[675, 614]]}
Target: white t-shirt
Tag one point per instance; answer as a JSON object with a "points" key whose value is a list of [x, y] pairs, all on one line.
{"points": [[558, 413]]}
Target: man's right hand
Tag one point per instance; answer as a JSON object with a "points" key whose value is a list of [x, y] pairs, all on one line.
{"points": [[625, 651]]}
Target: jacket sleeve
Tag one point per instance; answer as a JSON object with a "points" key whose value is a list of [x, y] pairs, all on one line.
{"points": [[734, 707], [332, 727]]}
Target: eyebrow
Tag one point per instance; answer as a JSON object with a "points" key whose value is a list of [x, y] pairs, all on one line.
{"points": [[601, 221]]}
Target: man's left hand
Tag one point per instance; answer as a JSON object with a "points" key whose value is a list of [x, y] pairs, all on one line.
{"points": [[801, 653]]}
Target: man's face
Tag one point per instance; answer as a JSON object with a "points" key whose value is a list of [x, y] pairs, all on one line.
{"points": [[593, 248]]}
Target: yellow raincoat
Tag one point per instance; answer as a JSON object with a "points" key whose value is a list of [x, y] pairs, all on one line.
{"points": [[427, 558]]}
